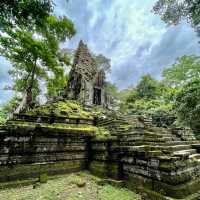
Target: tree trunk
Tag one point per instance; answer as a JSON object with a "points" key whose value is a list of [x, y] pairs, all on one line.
{"points": [[29, 96]]}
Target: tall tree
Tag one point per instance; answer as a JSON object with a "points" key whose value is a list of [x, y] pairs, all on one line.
{"points": [[147, 87], [35, 53], [173, 11]]}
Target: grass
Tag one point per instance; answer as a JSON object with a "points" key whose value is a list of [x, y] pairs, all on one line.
{"points": [[66, 188]]}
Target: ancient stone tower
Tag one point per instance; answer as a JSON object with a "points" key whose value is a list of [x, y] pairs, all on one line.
{"points": [[86, 82]]}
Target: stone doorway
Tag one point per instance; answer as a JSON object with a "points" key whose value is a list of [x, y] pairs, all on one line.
{"points": [[97, 96]]}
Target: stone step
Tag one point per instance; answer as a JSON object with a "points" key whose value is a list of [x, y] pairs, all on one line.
{"points": [[3, 131], [142, 148], [196, 145], [173, 148], [142, 139], [160, 143], [195, 156], [185, 153], [136, 137], [181, 142], [168, 138], [145, 133]]}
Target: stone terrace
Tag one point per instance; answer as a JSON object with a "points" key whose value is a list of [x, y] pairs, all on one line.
{"points": [[162, 163]]}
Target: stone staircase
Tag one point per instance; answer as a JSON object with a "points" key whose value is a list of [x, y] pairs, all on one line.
{"points": [[165, 161], [2, 130]]}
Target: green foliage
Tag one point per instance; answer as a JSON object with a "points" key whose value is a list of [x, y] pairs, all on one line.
{"points": [[173, 11], [56, 82], [144, 95], [183, 77], [113, 90], [147, 88], [150, 97], [11, 105], [187, 104], [35, 54], [185, 69], [8, 108], [3, 116], [24, 12], [149, 107], [29, 38]]}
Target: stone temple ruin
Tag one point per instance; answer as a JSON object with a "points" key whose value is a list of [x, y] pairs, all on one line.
{"points": [[87, 82], [161, 163]]}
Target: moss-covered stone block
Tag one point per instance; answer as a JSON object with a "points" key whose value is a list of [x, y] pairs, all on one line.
{"points": [[104, 169], [23, 172], [43, 178]]}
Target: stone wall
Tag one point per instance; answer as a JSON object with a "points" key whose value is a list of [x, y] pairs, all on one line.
{"points": [[26, 153], [104, 158]]}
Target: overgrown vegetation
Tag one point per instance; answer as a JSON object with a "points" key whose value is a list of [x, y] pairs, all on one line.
{"points": [[8, 108], [149, 97], [176, 95]]}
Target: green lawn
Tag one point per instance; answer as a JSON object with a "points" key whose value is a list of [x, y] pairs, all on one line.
{"points": [[69, 187]]}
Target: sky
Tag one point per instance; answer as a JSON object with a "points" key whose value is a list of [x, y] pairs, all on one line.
{"points": [[127, 32]]}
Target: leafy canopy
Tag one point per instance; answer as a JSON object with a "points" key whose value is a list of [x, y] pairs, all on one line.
{"points": [[30, 37], [184, 70], [184, 77], [149, 97], [173, 11], [187, 104], [147, 88], [24, 12]]}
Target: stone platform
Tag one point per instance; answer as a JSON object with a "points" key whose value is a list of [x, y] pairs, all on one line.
{"points": [[162, 163]]}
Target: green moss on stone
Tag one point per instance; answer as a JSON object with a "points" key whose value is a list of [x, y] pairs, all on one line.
{"points": [[104, 169], [43, 178], [102, 133], [152, 195], [17, 183], [57, 126], [22, 172], [71, 109]]}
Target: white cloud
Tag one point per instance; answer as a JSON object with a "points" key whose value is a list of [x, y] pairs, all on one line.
{"points": [[126, 22]]}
